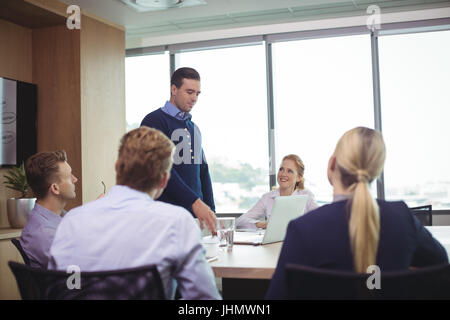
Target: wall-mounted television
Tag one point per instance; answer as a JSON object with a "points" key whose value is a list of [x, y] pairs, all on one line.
{"points": [[19, 116]]}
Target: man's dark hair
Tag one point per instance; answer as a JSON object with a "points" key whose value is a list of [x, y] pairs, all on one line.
{"points": [[42, 170], [183, 73]]}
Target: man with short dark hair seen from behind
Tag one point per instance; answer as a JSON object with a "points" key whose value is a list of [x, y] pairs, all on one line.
{"points": [[127, 228], [51, 179], [190, 183]]}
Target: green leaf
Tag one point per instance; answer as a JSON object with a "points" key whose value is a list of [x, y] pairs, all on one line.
{"points": [[16, 179]]}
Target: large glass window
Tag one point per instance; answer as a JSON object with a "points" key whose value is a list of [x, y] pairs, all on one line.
{"points": [[415, 108], [147, 82], [231, 113], [322, 88]]}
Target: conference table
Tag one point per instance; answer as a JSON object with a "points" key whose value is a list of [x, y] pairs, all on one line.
{"points": [[441, 233], [246, 270]]}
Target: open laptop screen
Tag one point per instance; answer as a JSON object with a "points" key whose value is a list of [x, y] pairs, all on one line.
{"points": [[284, 210]]}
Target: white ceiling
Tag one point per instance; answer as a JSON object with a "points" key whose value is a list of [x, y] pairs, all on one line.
{"points": [[219, 14]]}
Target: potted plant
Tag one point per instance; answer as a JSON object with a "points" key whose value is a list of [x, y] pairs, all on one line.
{"points": [[18, 208]]}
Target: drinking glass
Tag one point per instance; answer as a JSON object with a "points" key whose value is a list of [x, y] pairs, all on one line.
{"points": [[225, 232]]}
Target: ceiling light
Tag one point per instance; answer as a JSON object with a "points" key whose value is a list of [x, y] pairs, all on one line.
{"points": [[154, 5]]}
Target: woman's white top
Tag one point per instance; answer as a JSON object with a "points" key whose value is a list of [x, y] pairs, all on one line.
{"points": [[263, 208]]}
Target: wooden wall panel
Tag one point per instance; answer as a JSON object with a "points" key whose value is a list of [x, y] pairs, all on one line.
{"points": [[56, 71], [28, 15], [102, 103], [15, 52], [80, 76], [15, 63], [8, 284]]}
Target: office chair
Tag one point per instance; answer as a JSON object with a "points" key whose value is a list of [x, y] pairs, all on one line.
{"points": [[310, 283], [141, 283], [424, 214], [17, 244]]}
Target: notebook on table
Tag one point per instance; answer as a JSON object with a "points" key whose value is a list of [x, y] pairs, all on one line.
{"points": [[284, 210]]}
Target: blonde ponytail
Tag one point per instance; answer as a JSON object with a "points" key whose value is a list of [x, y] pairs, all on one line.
{"points": [[364, 227], [360, 155]]}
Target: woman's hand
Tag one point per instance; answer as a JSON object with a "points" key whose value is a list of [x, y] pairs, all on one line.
{"points": [[261, 224]]}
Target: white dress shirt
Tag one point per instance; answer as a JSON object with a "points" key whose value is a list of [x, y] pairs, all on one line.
{"points": [[263, 208], [126, 229]]}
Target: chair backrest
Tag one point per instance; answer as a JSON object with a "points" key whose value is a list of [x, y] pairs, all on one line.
{"points": [[141, 283], [25, 258], [311, 283], [424, 214]]}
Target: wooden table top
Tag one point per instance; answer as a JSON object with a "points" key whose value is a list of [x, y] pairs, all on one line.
{"points": [[441, 233], [245, 261]]}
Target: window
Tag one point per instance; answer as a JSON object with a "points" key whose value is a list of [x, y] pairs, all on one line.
{"points": [[415, 108], [231, 113], [322, 88], [147, 82]]}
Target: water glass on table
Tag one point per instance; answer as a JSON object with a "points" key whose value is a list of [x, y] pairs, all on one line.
{"points": [[225, 232]]}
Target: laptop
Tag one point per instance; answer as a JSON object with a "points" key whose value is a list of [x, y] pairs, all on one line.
{"points": [[284, 210]]}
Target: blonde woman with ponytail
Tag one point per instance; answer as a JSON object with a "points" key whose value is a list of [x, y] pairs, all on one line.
{"points": [[357, 161], [291, 182], [356, 231]]}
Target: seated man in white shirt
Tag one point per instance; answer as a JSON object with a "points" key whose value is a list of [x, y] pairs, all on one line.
{"points": [[128, 228]]}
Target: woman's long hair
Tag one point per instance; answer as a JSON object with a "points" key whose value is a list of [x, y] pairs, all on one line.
{"points": [[360, 155]]}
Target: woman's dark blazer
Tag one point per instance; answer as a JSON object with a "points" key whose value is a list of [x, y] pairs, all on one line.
{"points": [[321, 239]]}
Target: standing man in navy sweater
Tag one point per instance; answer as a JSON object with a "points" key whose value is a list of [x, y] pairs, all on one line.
{"points": [[190, 183]]}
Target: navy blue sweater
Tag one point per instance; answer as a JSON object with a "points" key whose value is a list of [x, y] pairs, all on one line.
{"points": [[190, 179], [320, 239]]}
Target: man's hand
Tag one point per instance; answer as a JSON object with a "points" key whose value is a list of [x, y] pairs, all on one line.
{"points": [[261, 224], [205, 215]]}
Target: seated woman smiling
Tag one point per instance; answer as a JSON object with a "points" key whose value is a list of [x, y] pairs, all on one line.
{"points": [[291, 182]]}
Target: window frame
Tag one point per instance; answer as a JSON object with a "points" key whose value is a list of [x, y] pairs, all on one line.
{"points": [[429, 25]]}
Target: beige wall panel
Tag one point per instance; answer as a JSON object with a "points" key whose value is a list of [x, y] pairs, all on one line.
{"points": [[15, 52], [102, 103], [8, 285], [56, 71], [15, 63], [54, 6]]}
